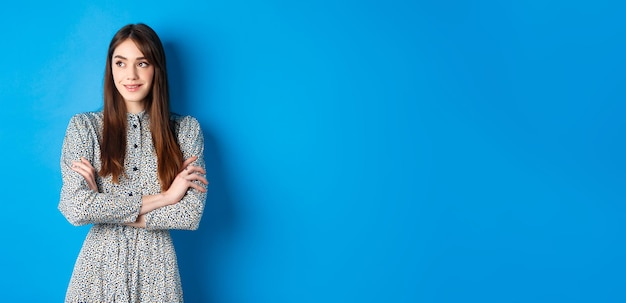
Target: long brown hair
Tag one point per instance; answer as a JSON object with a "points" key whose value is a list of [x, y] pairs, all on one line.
{"points": [[113, 145]]}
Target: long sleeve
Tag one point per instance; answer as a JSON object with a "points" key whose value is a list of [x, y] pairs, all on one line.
{"points": [[78, 203], [187, 213]]}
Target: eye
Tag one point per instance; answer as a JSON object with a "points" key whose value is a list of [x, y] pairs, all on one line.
{"points": [[143, 64], [120, 64]]}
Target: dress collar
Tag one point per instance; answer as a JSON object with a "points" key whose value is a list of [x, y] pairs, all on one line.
{"points": [[138, 115]]}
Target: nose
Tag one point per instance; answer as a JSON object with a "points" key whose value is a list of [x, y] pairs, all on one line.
{"points": [[131, 73]]}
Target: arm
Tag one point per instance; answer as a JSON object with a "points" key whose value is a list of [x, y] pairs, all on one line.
{"points": [[78, 202], [185, 214], [186, 179], [183, 181]]}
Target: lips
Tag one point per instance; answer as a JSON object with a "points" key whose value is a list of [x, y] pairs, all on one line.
{"points": [[132, 88]]}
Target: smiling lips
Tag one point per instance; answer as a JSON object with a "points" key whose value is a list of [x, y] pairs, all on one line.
{"points": [[132, 88]]}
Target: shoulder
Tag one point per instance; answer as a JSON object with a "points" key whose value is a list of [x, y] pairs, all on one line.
{"points": [[84, 128], [86, 120], [185, 123], [189, 135], [183, 119]]}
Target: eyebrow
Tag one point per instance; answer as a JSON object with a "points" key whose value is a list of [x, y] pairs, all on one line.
{"points": [[124, 58]]}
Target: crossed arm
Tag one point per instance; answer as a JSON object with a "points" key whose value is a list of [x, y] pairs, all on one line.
{"points": [[182, 182], [179, 207]]}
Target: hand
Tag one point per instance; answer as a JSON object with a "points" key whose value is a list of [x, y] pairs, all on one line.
{"points": [[141, 222], [85, 169], [184, 181]]}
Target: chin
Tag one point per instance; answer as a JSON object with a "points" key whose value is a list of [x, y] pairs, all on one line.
{"points": [[134, 98]]}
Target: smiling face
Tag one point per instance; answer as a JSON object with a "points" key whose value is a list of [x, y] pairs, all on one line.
{"points": [[132, 75]]}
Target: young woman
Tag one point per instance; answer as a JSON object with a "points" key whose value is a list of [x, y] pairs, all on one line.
{"points": [[134, 171]]}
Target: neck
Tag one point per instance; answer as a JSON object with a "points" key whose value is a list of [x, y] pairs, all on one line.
{"points": [[135, 107]]}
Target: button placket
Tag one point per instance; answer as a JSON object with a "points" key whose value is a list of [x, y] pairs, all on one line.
{"points": [[134, 140]]}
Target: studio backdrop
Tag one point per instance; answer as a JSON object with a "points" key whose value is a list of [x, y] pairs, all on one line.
{"points": [[357, 151]]}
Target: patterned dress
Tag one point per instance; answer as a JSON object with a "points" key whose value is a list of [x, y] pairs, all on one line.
{"points": [[120, 263]]}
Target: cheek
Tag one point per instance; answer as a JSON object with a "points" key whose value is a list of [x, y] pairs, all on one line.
{"points": [[116, 76], [149, 75]]}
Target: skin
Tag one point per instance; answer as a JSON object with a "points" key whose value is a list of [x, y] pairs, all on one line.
{"points": [[133, 76]]}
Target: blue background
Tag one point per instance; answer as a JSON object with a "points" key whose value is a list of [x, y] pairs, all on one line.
{"points": [[358, 151]]}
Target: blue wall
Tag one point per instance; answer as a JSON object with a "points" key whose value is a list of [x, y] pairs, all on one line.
{"points": [[358, 151]]}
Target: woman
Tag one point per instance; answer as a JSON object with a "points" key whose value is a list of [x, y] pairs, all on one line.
{"points": [[134, 171]]}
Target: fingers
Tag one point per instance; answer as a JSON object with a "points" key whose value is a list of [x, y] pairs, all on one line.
{"points": [[196, 177], [87, 171], [189, 161], [189, 170], [81, 168], [81, 172], [198, 187], [83, 165], [86, 163], [194, 173]]}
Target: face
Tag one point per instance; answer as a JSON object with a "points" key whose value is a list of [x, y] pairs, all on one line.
{"points": [[132, 75]]}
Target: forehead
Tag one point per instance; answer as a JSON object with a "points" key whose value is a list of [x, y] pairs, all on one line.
{"points": [[128, 49]]}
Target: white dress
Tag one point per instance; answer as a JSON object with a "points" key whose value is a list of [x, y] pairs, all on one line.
{"points": [[119, 263]]}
